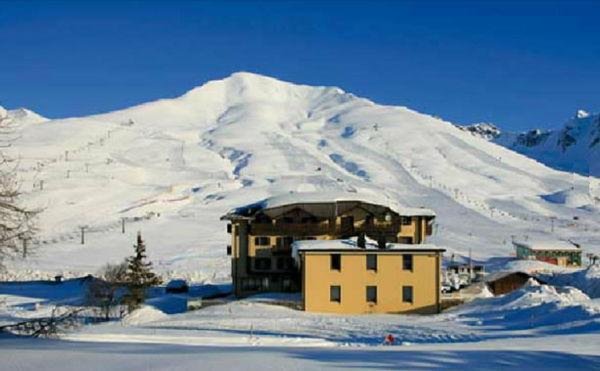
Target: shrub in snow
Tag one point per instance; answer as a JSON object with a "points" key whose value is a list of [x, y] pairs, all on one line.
{"points": [[106, 292]]}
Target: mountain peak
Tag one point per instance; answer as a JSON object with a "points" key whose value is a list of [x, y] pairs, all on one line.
{"points": [[484, 130], [253, 86], [21, 115], [581, 114]]}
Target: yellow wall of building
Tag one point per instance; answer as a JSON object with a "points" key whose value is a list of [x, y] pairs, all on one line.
{"points": [[354, 277]]}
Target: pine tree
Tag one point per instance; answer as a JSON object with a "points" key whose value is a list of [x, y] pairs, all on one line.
{"points": [[139, 275]]}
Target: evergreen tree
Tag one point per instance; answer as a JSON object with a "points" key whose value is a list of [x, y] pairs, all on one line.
{"points": [[139, 275]]}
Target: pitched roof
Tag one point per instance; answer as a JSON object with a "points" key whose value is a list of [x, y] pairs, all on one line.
{"points": [[324, 197], [547, 245]]}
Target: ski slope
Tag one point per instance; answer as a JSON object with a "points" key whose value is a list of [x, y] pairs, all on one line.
{"points": [[172, 167]]}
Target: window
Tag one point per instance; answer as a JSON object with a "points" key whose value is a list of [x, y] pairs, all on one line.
{"points": [[372, 294], [335, 294], [284, 242], [407, 262], [336, 262], [229, 228], [228, 249], [308, 220], [405, 220], [371, 262], [255, 284], [262, 241], [262, 263], [407, 294]]}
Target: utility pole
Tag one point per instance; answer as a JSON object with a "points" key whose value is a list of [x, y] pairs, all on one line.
{"points": [[470, 266], [83, 234], [24, 240], [122, 225]]}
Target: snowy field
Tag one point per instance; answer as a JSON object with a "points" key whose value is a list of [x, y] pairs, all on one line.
{"points": [[171, 168], [25, 354], [541, 326]]}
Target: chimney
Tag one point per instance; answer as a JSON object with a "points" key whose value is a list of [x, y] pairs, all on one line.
{"points": [[361, 240], [381, 242]]}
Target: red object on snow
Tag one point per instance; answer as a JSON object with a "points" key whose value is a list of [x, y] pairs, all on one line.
{"points": [[389, 339]]}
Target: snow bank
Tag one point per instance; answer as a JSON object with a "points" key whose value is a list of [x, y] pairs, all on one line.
{"points": [[143, 315], [586, 280], [543, 308]]}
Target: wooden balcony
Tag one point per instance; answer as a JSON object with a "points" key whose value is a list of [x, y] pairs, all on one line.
{"points": [[314, 229], [289, 229]]}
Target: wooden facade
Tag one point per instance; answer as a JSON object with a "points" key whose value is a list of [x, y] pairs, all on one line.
{"points": [[505, 282]]}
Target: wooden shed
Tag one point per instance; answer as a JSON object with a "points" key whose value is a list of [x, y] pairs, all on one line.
{"points": [[501, 283]]}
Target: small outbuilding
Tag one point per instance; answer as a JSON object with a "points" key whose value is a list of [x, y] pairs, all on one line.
{"points": [[501, 283], [562, 253]]}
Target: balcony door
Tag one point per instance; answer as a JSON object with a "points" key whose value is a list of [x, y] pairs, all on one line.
{"points": [[347, 226]]}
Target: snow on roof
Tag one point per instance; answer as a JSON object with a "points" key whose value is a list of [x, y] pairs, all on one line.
{"points": [[501, 274], [326, 197], [350, 245], [546, 245]]}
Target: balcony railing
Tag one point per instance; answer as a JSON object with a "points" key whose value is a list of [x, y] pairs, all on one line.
{"points": [[308, 229], [288, 229]]}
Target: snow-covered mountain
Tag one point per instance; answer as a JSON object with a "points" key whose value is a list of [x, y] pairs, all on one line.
{"points": [[21, 116], [575, 147], [172, 167]]}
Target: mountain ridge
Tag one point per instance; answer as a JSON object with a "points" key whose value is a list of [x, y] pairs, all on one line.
{"points": [[172, 167], [575, 147]]}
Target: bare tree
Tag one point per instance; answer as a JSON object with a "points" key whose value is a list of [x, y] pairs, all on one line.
{"points": [[17, 222], [61, 320], [107, 291]]}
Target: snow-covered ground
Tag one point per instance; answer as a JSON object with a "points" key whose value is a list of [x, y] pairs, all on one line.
{"points": [[538, 325], [546, 354], [174, 166]]}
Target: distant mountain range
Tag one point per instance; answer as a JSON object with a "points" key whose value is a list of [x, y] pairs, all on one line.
{"points": [[574, 148]]}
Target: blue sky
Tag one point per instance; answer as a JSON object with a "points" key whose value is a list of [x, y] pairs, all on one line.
{"points": [[517, 64]]}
